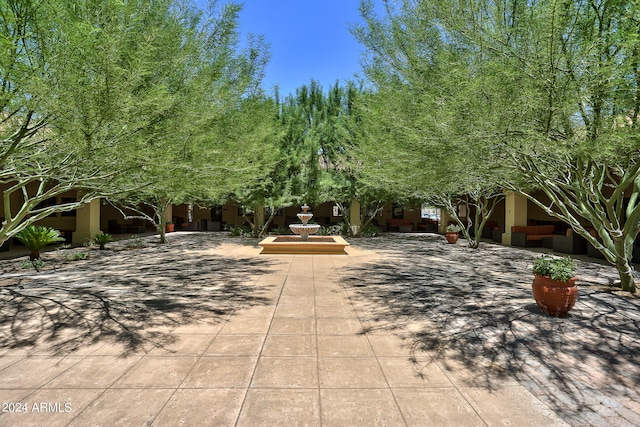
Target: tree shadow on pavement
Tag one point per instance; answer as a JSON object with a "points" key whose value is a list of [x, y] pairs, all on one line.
{"points": [[130, 297], [474, 309]]}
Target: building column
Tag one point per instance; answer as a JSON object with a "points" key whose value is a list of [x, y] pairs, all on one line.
{"points": [[515, 213], [354, 216], [168, 213], [444, 220], [87, 222]]}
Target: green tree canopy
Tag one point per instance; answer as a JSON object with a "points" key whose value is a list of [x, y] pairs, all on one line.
{"points": [[215, 135], [151, 100], [78, 89], [540, 97], [425, 126]]}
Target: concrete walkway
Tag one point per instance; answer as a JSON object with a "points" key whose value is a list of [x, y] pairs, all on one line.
{"points": [[208, 332]]}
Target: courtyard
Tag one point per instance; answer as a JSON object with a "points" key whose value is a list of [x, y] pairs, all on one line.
{"points": [[405, 330]]}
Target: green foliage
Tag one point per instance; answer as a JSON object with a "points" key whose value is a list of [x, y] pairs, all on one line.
{"points": [[341, 228], [76, 256], [279, 231], [453, 228], [560, 269], [538, 97], [102, 239], [369, 230], [81, 85], [425, 132], [215, 126], [143, 100], [36, 237], [239, 230], [36, 264], [134, 242]]}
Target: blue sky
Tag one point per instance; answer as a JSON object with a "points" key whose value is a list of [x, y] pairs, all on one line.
{"points": [[309, 39]]}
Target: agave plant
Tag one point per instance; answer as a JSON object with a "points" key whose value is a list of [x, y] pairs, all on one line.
{"points": [[102, 239], [36, 237]]}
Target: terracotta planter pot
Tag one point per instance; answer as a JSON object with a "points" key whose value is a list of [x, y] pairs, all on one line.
{"points": [[452, 237], [169, 228], [553, 297]]}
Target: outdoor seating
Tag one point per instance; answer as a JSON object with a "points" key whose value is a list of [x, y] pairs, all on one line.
{"points": [[134, 227], [487, 230], [209, 225], [496, 234], [401, 225], [530, 235], [571, 243], [428, 225], [189, 226]]}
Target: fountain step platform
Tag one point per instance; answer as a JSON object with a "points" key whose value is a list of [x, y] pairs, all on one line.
{"points": [[314, 245]]}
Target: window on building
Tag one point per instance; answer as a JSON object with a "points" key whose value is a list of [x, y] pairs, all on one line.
{"points": [[216, 213], [65, 200], [430, 212], [398, 212], [51, 201]]}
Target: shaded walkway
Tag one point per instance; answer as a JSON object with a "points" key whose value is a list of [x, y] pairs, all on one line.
{"points": [[206, 332]]}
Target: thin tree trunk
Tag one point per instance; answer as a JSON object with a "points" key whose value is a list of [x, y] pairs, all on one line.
{"points": [[267, 223], [624, 267]]}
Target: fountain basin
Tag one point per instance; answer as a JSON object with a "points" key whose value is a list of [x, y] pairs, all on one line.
{"points": [[304, 229], [314, 245], [305, 217]]}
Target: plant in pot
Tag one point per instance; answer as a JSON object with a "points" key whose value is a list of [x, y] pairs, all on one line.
{"points": [[169, 227], [452, 233], [554, 284]]}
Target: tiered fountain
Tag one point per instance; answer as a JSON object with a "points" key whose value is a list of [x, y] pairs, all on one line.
{"points": [[304, 229], [304, 242]]}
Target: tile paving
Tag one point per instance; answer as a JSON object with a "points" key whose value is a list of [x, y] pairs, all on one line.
{"points": [[205, 331]]}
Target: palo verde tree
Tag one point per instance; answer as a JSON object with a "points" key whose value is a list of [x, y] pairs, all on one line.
{"points": [[214, 136], [423, 136], [73, 99], [296, 176], [341, 163], [242, 165], [572, 70], [262, 199]]}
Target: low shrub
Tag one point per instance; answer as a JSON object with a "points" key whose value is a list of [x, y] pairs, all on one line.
{"points": [[134, 242], [369, 230], [36, 237], [453, 228], [239, 230], [36, 263], [278, 231], [76, 256], [560, 269], [102, 239]]}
